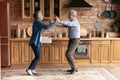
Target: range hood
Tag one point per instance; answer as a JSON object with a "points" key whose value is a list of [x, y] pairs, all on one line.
{"points": [[79, 3]]}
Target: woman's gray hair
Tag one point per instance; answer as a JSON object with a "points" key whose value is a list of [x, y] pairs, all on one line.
{"points": [[36, 14], [73, 12]]}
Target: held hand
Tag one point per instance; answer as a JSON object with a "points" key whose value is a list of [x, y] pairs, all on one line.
{"points": [[51, 21], [57, 19]]}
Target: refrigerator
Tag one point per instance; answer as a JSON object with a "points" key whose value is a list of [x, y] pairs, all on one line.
{"points": [[5, 33]]}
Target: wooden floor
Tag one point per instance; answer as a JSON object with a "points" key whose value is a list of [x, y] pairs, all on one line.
{"points": [[114, 69]]}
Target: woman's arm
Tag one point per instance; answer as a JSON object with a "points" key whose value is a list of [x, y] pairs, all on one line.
{"points": [[44, 26]]}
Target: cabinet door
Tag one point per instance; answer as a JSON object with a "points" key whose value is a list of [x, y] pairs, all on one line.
{"points": [[115, 51], [95, 53], [64, 49], [46, 53], [56, 53], [26, 52], [26, 8], [105, 53], [57, 7], [16, 52], [51, 8]]}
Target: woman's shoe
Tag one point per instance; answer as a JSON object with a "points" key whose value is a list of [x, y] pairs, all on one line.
{"points": [[29, 72], [35, 73]]}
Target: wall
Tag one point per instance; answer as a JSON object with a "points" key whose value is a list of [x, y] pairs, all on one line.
{"points": [[87, 17]]}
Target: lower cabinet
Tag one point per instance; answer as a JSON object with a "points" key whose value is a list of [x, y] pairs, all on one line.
{"points": [[22, 53], [95, 52], [56, 53], [100, 52], [64, 49], [26, 52], [16, 56], [115, 51], [46, 53]]}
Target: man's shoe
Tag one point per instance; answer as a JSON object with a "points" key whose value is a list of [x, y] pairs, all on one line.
{"points": [[73, 71], [36, 73]]}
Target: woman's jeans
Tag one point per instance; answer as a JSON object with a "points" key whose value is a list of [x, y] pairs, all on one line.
{"points": [[37, 53]]}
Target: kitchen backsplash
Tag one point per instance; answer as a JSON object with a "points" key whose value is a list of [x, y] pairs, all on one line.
{"points": [[87, 17]]}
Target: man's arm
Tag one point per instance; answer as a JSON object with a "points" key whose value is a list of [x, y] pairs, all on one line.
{"points": [[60, 25], [65, 23]]}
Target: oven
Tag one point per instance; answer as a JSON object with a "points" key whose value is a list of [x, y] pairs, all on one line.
{"points": [[83, 50]]}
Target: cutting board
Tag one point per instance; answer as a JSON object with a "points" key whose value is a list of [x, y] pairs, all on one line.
{"points": [[83, 32], [29, 31]]}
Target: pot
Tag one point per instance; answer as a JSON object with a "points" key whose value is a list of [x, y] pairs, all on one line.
{"points": [[113, 13], [106, 13]]}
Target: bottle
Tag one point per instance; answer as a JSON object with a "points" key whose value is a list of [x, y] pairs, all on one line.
{"points": [[60, 35], [24, 33], [94, 34], [18, 31], [102, 33], [89, 34]]}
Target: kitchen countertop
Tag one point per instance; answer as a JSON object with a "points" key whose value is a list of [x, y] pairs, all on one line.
{"points": [[65, 38]]}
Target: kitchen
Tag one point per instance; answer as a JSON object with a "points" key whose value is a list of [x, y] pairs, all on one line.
{"points": [[104, 49]]}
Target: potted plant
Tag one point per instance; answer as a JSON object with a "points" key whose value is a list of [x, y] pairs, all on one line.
{"points": [[115, 25]]}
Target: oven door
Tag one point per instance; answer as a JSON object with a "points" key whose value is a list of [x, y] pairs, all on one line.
{"points": [[82, 52]]}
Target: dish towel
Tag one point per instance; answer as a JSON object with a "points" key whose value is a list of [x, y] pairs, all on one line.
{"points": [[81, 49]]}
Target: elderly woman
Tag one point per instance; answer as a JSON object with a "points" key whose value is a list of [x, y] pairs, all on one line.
{"points": [[35, 42], [73, 26]]}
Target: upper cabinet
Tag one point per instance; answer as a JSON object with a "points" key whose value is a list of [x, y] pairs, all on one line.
{"points": [[49, 8], [26, 8]]}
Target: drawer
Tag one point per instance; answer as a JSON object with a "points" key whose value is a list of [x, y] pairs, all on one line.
{"points": [[104, 42], [95, 42], [100, 42], [56, 42]]}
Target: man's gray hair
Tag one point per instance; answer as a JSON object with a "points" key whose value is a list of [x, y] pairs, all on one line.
{"points": [[73, 12]]}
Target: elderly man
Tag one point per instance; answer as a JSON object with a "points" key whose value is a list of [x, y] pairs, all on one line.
{"points": [[73, 26]]}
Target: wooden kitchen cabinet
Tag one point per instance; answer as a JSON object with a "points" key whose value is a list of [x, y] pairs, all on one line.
{"points": [[26, 53], [26, 8], [46, 53], [115, 51], [64, 49], [100, 52], [21, 53], [49, 8], [16, 47], [95, 52], [56, 52]]}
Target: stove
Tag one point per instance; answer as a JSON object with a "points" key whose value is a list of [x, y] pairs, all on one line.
{"points": [[83, 50]]}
